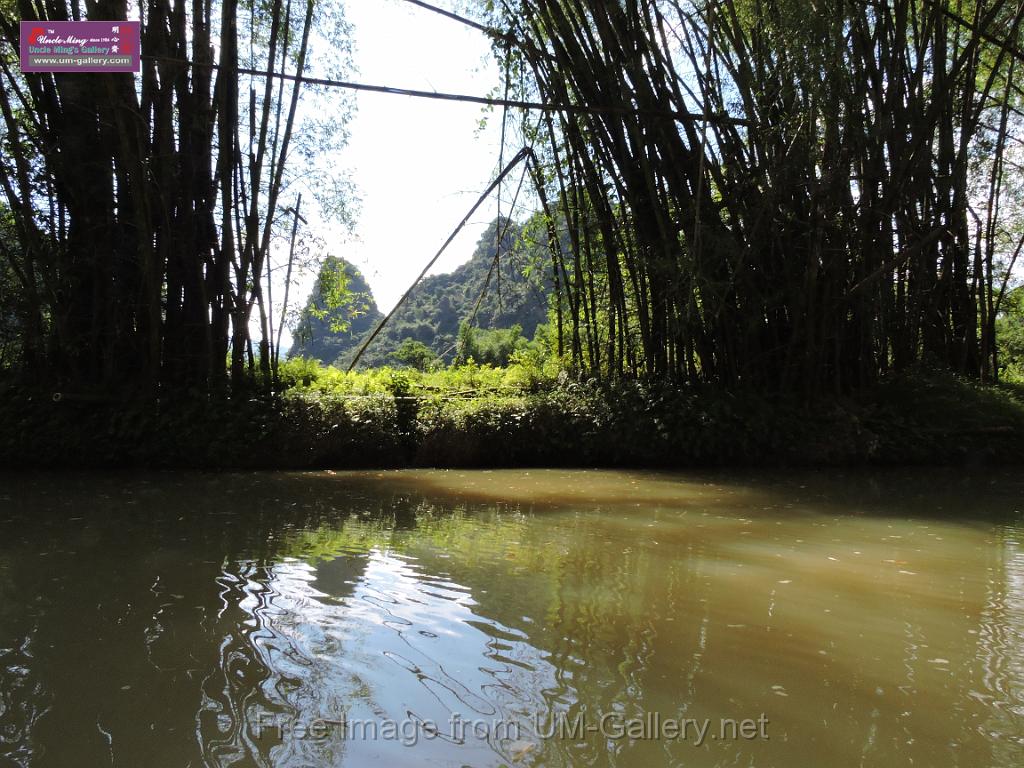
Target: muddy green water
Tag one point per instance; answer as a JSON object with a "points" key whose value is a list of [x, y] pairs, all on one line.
{"points": [[512, 618]]}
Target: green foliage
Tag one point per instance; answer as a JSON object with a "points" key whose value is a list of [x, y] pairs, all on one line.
{"points": [[478, 380], [11, 298], [298, 372], [415, 354], [333, 294], [491, 347], [1010, 336]]}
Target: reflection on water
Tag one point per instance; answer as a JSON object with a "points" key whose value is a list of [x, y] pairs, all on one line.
{"points": [[449, 618]]}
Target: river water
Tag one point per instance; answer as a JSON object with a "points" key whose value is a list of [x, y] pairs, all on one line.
{"points": [[556, 618]]}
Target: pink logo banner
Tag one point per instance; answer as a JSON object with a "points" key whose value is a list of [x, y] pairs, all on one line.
{"points": [[80, 46]]}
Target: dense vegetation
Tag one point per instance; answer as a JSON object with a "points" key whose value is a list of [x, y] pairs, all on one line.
{"points": [[338, 314], [497, 290], [138, 212], [799, 195], [1010, 335], [753, 224], [522, 415]]}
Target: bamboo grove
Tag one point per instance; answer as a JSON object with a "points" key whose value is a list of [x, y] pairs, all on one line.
{"points": [[138, 212], [787, 195], [840, 201]]}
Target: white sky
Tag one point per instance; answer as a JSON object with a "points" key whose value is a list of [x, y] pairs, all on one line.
{"points": [[418, 164]]}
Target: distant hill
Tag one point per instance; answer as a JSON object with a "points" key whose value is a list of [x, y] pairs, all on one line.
{"points": [[339, 313], [517, 294]]}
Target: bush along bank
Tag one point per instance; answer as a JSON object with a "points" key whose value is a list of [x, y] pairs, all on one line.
{"points": [[398, 420]]}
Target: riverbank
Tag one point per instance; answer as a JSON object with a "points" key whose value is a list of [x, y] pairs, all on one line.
{"points": [[908, 421]]}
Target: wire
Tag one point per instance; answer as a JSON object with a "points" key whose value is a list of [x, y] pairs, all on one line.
{"points": [[581, 109]]}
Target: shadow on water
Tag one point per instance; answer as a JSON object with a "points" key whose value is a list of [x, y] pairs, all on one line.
{"points": [[189, 619]]}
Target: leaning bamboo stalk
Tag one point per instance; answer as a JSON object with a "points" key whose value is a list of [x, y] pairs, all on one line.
{"points": [[520, 157]]}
